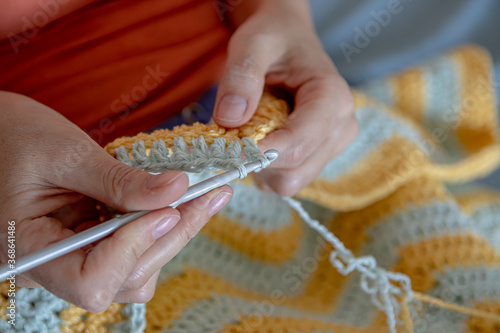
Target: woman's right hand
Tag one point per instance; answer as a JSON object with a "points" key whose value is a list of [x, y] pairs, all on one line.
{"points": [[51, 175]]}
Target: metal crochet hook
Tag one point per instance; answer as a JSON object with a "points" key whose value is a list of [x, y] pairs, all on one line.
{"points": [[95, 233]]}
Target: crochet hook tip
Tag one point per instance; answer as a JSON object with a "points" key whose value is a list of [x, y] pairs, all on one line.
{"points": [[271, 154]]}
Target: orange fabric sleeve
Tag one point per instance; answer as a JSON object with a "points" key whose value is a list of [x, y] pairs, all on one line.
{"points": [[117, 67]]}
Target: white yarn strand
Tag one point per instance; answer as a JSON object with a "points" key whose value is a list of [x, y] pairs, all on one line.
{"points": [[381, 285]]}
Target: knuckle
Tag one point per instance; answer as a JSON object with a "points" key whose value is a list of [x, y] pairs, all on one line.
{"points": [[194, 218], [188, 232], [200, 205], [247, 70], [133, 252], [131, 246], [116, 179], [136, 280]]}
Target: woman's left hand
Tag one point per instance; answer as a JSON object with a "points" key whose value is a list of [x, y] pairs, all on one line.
{"points": [[276, 45]]}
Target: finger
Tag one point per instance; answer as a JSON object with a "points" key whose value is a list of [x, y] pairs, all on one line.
{"points": [[142, 295], [288, 182], [24, 282], [92, 280], [242, 83], [110, 181], [323, 105], [195, 214]]}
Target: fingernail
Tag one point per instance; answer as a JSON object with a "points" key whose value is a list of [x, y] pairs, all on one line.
{"points": [[165, 225], [216, 204], [231, 108], [157, 181]]}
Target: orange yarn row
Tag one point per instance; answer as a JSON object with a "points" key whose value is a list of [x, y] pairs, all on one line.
{"points": [[271, 114]]}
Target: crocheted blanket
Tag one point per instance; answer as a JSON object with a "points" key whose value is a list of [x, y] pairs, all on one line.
{"points": [[391, 237]]}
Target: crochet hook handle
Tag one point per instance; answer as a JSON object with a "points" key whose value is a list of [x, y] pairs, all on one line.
{"points": [[95, 233]]}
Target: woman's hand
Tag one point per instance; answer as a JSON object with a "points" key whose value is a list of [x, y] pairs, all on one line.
{"points": [[51, 174], [275, 44]]}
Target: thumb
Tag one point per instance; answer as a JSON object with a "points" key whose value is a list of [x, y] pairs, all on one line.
{"points": [[125, 188], [242, 82]]}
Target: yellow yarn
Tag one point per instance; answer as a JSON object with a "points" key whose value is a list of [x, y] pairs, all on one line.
{"points": [[77, 320]]}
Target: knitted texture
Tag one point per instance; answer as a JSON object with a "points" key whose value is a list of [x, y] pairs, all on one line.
{"points": [[270, 115], [392, 207]]}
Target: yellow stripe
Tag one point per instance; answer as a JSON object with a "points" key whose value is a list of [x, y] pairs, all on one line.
{"points": [[473, 166], [477, 123], [390, 165], [270, 247], [409, 94], [394, 163], [77, 320], [421, 260]]}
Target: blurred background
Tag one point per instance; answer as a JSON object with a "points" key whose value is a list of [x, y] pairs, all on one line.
{"points": [[404, 33]]}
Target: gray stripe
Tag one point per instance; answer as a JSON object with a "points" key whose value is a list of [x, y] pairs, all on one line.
{"points": [[376, 127], [412, 225], [257, 210], [443, 106], [462, 286]]}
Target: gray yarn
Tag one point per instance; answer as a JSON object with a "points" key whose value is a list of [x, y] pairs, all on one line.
{"points": [[197, 158]]}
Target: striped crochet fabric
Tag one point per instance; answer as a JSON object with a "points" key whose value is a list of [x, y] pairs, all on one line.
{"points": [[400, 193]]}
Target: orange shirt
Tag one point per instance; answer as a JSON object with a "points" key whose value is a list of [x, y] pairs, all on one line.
{"points": [[116, 67]]}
